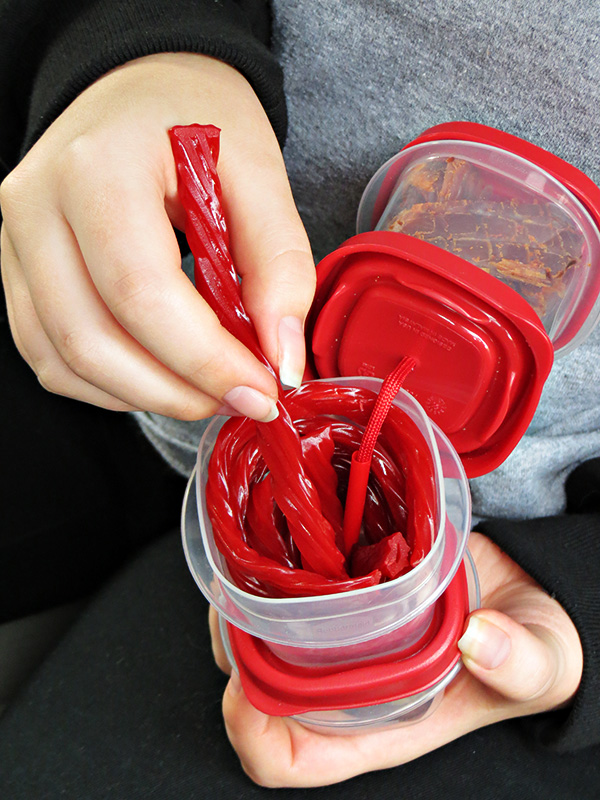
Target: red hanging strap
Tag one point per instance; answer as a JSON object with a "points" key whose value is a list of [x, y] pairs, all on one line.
{"points": [[361, 458]]}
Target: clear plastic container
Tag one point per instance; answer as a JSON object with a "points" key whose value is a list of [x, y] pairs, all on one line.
{"points": [[371, 718], [395, 614], [502, 213]]}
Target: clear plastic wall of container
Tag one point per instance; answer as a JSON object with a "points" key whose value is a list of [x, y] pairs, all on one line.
{"points": [[500, 212]]}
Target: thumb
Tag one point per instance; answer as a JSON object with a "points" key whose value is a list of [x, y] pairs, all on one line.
{"points": [[533, 664], [262, 743]]}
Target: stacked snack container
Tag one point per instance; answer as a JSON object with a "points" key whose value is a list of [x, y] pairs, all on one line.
{"points": [[478, 255]]}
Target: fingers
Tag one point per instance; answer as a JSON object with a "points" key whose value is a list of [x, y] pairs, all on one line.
{"points": [[280, 752], [522, 656], [116, 312], [107, 301], [537, 666], [270, 748], [271, 252], [246, 729], [39, 353], [218, 648], [140, 279], [74, 342], [522, 644]]}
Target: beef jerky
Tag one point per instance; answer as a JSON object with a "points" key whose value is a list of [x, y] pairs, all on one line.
{"points": [[531, 244]]}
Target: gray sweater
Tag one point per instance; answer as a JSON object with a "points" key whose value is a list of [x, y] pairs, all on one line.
{"points": [[364, 78]]}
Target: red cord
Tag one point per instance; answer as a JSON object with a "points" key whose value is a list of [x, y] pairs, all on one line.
{"points": [[361, 459]]}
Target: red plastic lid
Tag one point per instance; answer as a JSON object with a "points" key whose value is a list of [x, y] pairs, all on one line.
{"points": [[278, 688], [482, 353]]}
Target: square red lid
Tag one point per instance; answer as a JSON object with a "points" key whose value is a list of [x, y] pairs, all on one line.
{"points": [[482, 353]]}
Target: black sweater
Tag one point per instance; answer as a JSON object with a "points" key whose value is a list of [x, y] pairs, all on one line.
{"points": [[51, 51]]}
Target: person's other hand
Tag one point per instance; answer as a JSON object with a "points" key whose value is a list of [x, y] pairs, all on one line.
{"points": [[522, 656], [98, 304]]}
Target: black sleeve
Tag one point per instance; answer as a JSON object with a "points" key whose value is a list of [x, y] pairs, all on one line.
{"points": [[51, 51], [563, 554]]}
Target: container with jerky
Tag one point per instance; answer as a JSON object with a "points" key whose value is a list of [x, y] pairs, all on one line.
{"points": [[486, 201]]}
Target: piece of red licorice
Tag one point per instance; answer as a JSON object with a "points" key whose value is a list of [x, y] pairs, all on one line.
{"points": [[275, 491], [360, 464]]}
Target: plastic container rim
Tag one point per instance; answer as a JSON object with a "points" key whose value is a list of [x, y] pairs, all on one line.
{"points": [[250, 604]]}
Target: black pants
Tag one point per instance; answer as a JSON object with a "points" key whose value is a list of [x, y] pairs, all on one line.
{"points": [[80, 491], [128, 707]]}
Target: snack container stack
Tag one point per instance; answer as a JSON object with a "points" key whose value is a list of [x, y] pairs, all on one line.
{"points": [[478, 255], [355, 660]]}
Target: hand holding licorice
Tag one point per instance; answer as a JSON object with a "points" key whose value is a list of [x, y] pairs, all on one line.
{"points": [[98, 304]]}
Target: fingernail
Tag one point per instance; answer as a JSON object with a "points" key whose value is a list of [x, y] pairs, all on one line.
{"points": [[252, 403], [227, 411], [484, 643], [234, 686], [292, 351]]}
